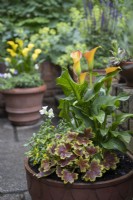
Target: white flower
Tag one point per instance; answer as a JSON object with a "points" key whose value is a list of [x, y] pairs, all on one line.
{"points": [[36, 66], [7, 75], [44, 111], [50, 113]]}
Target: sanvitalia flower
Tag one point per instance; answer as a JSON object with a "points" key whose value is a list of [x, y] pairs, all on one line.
{"points": [[89, 55], [76, 56]]}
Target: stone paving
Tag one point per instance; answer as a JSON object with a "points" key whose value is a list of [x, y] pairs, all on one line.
{"points": [[13, 184]]}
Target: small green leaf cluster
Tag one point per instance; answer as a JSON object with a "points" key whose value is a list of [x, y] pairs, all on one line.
{"points": [[118, 55]]}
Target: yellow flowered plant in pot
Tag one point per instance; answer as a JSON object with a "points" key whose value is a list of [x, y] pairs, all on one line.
{"points": [[22, 69], [87, 145], [22, 85]]}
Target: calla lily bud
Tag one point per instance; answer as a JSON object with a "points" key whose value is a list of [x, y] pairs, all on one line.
{"points": [[76, 56]]}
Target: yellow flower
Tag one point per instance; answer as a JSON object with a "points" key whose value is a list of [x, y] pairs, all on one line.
{"points": [[12, 53], [76, 56], [34, 56], [30, 46], [38, 51], [111, 69], [13, 45], [82, 77], [25, 52], [8, 60], [89, 55], [20, 42]]}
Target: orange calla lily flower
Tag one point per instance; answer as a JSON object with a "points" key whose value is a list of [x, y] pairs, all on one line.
{"points": [[76, 56], [111, 69], [89, 55], [82, 77]]}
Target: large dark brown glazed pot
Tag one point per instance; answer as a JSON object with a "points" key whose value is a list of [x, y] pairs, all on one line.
{"points": [[23, 105], [126, 75], [48, 189]]}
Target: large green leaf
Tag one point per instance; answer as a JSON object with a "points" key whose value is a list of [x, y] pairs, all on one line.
{"points": [[114, 143], [100, 116], [122, 135], [69, 86], [64, 106], [119, 119]]}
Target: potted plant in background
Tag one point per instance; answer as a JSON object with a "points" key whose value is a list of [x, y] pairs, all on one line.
{"points": [[84, 156], [121, 57], [22, 85]]}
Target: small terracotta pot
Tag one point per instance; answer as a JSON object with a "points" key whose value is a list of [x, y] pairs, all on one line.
{"points": [[47, 189], [23, 104], [127, 73]]}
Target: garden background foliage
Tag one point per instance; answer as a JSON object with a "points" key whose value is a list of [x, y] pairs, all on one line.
{"points": [[102, 22]]}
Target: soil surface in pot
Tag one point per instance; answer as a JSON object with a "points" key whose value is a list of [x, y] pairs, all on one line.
{"points": [[123, 167]]}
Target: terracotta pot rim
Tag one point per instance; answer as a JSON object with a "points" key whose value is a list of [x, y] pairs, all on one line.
{"points": [[99, 184], [25, 90]]}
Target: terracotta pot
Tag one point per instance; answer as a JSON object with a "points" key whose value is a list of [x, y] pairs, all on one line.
{"points": [[48, 189], [127, 73], [23, 104]]}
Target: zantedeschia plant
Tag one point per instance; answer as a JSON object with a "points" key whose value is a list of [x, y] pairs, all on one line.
{"points": [[86, 146]]}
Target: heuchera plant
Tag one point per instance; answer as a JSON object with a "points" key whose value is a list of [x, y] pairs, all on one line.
{"points": [[86, 145]]}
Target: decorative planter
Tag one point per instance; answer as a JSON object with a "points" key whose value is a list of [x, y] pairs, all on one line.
{"points": [[127, 73], [47, 189], [23, 104]]}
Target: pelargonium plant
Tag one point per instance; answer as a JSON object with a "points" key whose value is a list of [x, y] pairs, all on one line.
{"points": [[84, 144]]}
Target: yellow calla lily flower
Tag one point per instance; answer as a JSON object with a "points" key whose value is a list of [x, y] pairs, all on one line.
{"points": [[20, 42], [30, 46], [34, 56], [111, 69], [82, 77], [76, 56], [13, 45], [25, 52], [12, 53], [89, 55], [38, 51]]}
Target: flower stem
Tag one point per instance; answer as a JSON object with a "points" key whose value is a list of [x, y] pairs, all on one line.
{"points": [[90, 79]]}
